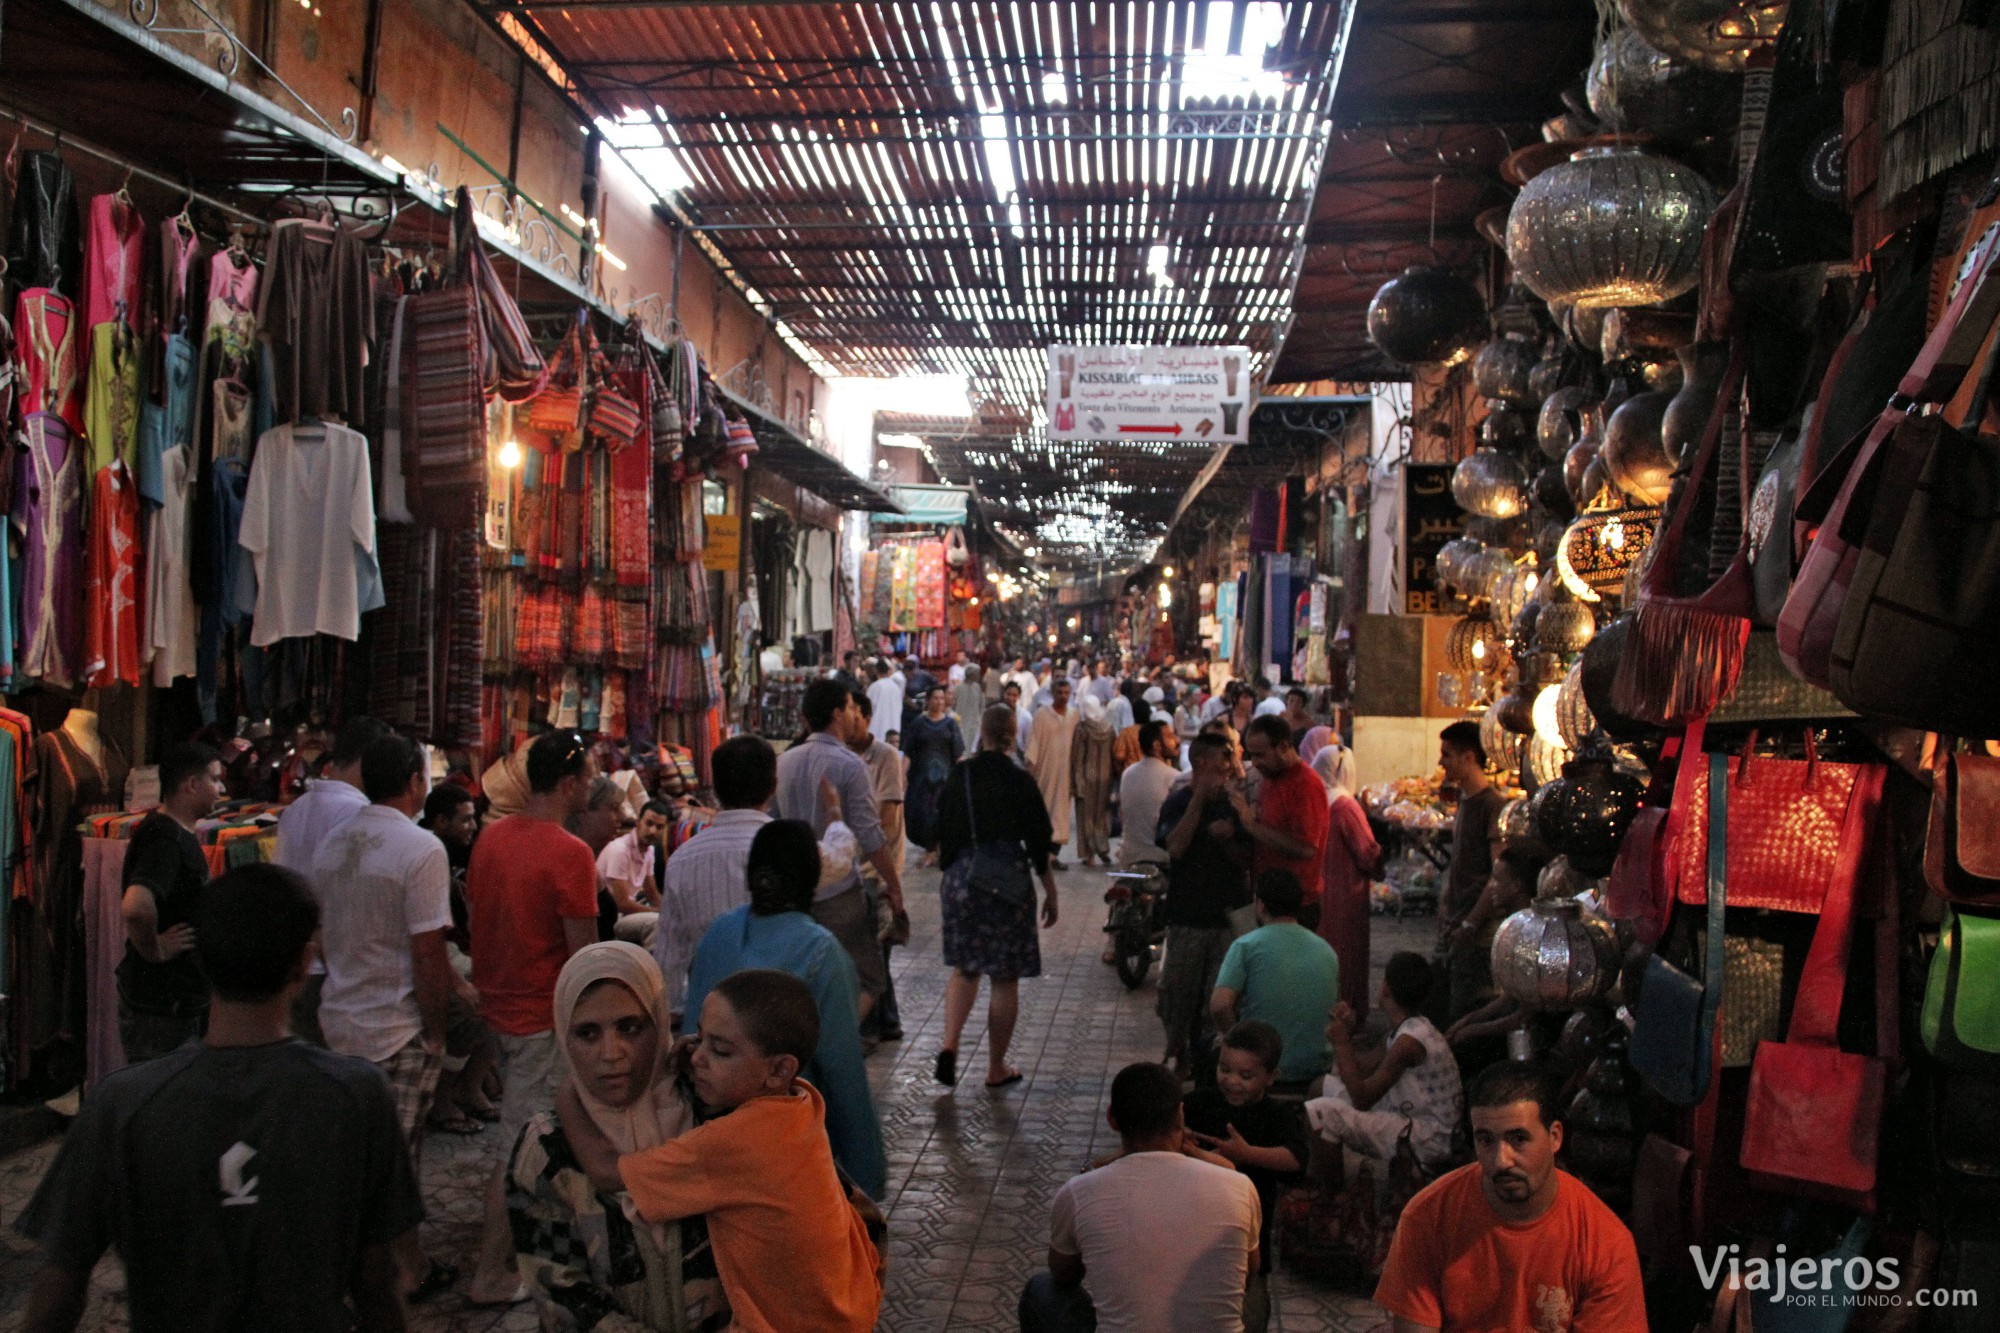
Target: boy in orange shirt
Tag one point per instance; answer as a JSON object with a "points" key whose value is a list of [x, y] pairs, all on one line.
{"points": [[1510, 1244], [791, 1250]]}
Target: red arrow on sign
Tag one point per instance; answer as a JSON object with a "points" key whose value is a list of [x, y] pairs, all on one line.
{"points": [[1174, 429]]}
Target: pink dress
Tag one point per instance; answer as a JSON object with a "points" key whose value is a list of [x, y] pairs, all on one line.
{"points": [[114, 262], [1351, 852]]}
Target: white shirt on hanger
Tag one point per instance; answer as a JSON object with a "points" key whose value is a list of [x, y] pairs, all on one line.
{"points": [[308, 508]]}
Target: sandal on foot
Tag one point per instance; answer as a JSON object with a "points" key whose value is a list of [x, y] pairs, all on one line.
{"points": [[947, 1068], [1013, 1076], [460, 1124], [488, 1112], [439, 1279]]}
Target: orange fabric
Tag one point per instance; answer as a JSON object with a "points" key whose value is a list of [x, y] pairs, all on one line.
{"points": [[526, 877], [792, 1252], [1455, 1265], [1125, 751], [111, 580]]}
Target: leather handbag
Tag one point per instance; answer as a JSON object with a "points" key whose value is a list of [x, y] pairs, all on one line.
{"points": [[1767, 691], [998, 869], [1920, 631], [1794, 825], [1673, 1038], [1638, 891], [1838, 504], [1813, 1122], [1960, 1020], [1962, 844], [1686, 650]]}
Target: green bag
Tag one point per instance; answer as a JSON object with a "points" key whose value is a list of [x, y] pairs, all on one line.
{"points": [[1961, 1016]]}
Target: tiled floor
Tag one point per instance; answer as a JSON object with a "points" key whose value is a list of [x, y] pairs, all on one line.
{"points": [[971, 1172]]}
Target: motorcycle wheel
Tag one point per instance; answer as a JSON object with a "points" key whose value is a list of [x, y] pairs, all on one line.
{"points": [[1133, 948]]}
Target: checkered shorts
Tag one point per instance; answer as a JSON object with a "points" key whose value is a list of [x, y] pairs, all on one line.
{"points": [[413, 1078]]}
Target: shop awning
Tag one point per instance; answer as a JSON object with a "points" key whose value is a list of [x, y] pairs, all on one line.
{"points": [[928, 504], [785, 452]]}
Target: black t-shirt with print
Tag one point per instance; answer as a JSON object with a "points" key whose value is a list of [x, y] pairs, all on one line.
{"points": [[1206, 883], [238, 1184]]}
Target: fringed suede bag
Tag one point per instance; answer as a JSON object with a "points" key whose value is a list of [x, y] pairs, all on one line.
{"points": [[1687, 651]]}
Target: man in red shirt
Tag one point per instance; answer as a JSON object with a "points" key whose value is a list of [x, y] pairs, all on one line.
{"points": [[1289, 823], [1510, 1244], [531, 892]]}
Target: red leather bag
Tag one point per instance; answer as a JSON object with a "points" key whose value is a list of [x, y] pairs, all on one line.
{"points": [[1795, 827], [1837, 506], [1813, 1121]]}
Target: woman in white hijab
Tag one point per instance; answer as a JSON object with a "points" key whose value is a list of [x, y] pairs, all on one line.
{"points": [[586, 1256]]}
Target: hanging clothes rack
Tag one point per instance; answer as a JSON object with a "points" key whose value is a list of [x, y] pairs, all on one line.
{"points": [[132, 169]]}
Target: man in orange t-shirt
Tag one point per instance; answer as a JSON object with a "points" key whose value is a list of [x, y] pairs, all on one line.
{"points": [[792, 1251], [1289, 824], [1510, 1244]]}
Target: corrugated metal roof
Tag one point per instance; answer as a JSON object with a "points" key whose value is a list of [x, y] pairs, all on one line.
{"points": [[952, 186]]}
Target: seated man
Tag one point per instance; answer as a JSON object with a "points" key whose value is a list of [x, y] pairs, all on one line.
{"points": [[1510, 1242], [1166, 1236], [1413, 1077], [1285, 975]]}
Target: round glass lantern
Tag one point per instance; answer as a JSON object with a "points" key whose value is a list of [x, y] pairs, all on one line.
{"points": [[1501, 369], [1573, 716], [1551, 955], [1564, 625], [1475, 644], [1452, 560], [1488, 483], [1515, 589], [1610, 227]]}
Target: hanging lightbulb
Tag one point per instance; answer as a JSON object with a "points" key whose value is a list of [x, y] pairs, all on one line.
{"points": [[510, 454], [1479, 650], [1168, 572], [1166, 596]]}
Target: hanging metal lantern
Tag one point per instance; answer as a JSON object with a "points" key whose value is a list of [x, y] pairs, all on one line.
{"points": [[1547, 375], [1514, 589], [1483, 571], [1500, 370], [1573, 715], [1597, 493], [1489, 483], [1599, 549], [1633, 85], [1506, 426], [1719, 35], [1516, 823], [1633, 453], [1565, 624], [1452, 559], [1611, 226], [1550, 955], [1516, 708], [1562, 420], [1560, 879], [1552, 496], [1474, 644], [1521, 632], [1544, 761], [1498, 744], [1427, 315], [1585, 813]]}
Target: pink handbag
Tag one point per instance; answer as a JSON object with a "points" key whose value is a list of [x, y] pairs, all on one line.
{"points": [[1837, 505]]}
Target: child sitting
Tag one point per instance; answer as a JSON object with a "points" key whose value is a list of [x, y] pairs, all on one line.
{"points": [[1240, 1126], [792, 1251], [1413, 1079]]}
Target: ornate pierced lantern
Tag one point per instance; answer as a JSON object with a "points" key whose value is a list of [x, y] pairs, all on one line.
{"points": [[1474, 644], [1610, 227], [1714, 34], [1551, 955]]}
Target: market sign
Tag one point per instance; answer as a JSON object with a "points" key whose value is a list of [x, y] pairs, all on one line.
{"points": [[1431, 517], [722, 545], [1194, 395]]}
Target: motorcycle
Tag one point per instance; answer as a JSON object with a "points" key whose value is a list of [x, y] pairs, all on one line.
{"points": [[1136, 928]]}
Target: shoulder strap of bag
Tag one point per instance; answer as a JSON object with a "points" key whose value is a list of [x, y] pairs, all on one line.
{"points": [[971, 806], [1718, 884], [1816, 1011]]}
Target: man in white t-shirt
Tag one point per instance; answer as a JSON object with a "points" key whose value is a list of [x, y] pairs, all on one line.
{"points": [[1142, 790], [384, 888], [303, 828], [1164, 1233], [626, 867], [885, 696]]}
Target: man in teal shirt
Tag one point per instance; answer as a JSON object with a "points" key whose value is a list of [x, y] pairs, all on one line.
{"points": [[1281, 974]]}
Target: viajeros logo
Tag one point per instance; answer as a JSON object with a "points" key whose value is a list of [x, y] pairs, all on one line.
{"points": [[1849, 1281]]}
